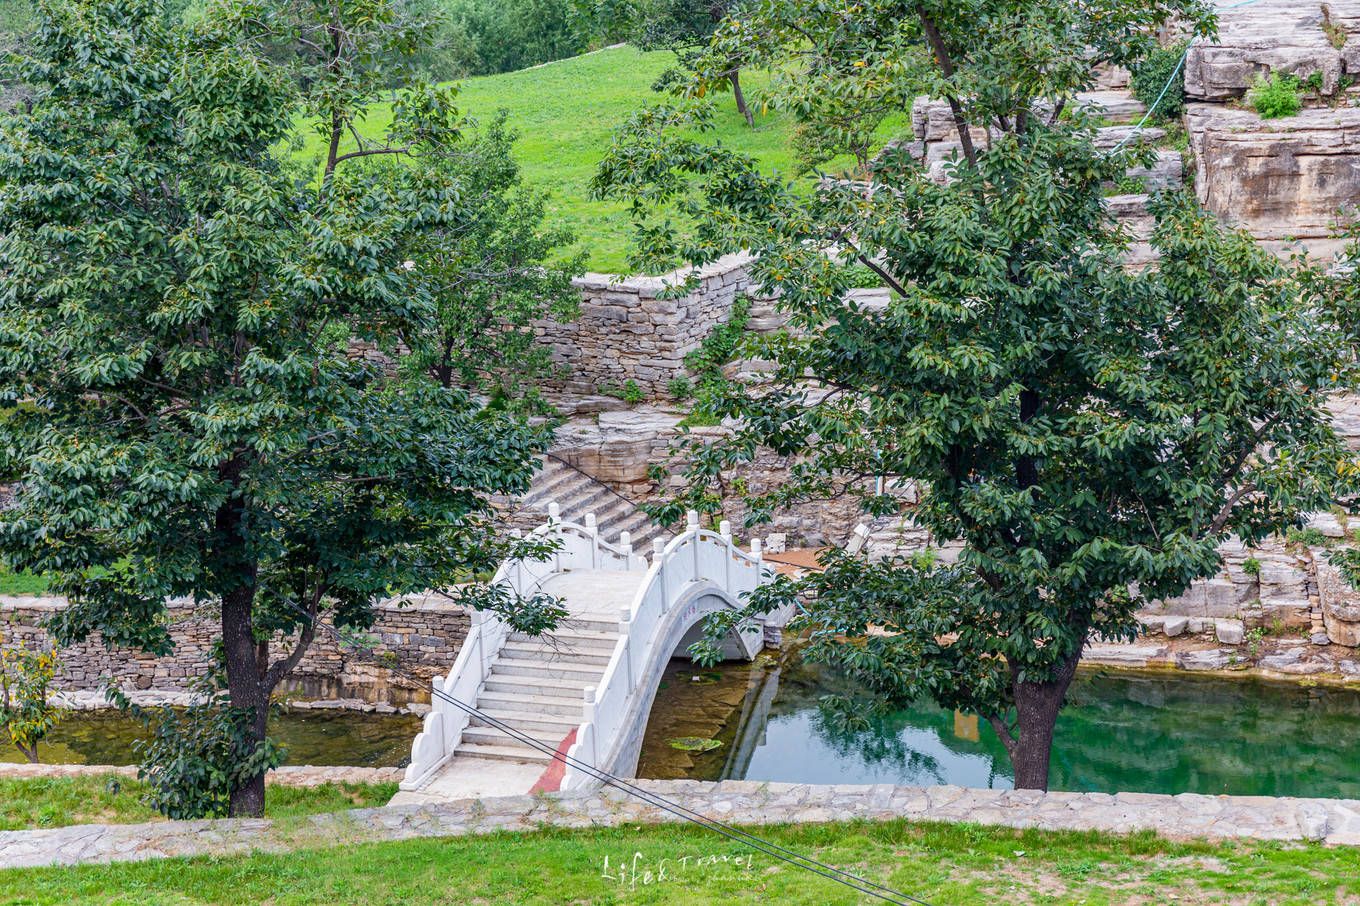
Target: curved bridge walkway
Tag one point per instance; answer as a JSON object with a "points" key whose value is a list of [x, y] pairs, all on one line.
{"points": [[586, 688]]}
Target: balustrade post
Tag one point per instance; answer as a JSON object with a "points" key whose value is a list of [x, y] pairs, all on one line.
{"points": [[692, 526], [725, 531], [625, 630], [659, 561], [593, 530], [588, 717]]}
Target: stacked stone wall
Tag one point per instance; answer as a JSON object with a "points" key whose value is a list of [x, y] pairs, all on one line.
{"points": [[423, 636], [630, 330]]}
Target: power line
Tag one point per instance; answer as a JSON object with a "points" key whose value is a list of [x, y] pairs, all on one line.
{"points": [[1167, 87], [807, 863]]}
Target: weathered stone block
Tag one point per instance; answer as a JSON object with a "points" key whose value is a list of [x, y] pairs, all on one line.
{"points": [[1277, 178]]}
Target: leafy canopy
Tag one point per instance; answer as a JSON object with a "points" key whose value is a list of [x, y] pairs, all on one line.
{"points": [[1090, 434]]}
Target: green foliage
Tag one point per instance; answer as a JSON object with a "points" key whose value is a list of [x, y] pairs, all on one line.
{"points": [[22, 583], [563, 131], [632, 393], [1276, 96], [491, 272], [26, 676], [180, 303], [194, 758], [1080, 428], [1151, 76], [705, 363], [1254, 638], [505, 35], [1314, 82], [680, 387], [1251, 566]]}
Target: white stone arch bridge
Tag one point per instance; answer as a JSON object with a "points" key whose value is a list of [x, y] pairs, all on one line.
{"points": [[585, 689]]}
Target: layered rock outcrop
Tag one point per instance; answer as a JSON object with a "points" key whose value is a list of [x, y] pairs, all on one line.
{"points": [[1281, 179], [1285, 36]]}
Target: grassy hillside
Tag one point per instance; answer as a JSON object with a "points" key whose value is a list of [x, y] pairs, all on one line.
{"points": [[566, 113]]}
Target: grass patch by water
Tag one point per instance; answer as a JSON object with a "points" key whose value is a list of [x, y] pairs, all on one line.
{"points": [[27, 804], [947, 865]]}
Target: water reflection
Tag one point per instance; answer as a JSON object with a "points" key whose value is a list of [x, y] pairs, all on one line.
{"points": [[313, 737], [1151, 733]]}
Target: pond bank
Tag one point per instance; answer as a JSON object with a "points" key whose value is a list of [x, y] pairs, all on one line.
{"points": [[286, 775], [1330, 821]]}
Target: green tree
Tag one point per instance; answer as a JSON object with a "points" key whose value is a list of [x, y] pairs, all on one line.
{"points": [[179, 304], [686, 27], [491, 271], [26, 713], [1089, 434]]}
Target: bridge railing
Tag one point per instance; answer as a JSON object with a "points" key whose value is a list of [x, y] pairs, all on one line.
{"points": [[698, 556], [578, 546]]}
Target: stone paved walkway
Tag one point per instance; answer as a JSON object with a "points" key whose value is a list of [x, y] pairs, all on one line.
{"points": [[1333, 821]]}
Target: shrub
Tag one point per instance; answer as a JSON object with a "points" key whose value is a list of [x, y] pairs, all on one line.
{"points": [[25, 713], [195, 756], [1152, 75], [632, 393], [680, 387], [1276, 97], [1251, 566]]}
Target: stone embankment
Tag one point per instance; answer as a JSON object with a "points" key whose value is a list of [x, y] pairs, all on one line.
{"points": [[1187, 816], [424, 634], [287, 775]]}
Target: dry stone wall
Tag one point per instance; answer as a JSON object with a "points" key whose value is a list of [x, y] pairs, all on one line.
{"points": [[630, 329], [424, 636]]}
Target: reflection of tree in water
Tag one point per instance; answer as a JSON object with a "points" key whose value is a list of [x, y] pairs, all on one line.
{"points": [[1126, 731]]}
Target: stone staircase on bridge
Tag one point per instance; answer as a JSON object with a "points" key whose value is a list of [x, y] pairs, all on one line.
{"points": [[537, 684]]}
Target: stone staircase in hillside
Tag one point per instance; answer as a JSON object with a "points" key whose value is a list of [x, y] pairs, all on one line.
{"points": [[577, 494]]}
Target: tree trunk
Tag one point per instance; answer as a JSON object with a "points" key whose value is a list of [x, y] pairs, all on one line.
{"points": [[245, 688], [245, 674], [734, 76], [1037, 706]]}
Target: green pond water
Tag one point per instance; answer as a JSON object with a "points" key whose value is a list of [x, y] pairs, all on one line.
{"points": [[313, 737], [1142, 732]]}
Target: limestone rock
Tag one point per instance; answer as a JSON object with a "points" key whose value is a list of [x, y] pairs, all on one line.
{"points": [[1202, 660], [1340, 606], [1230, 632], [616, 447], [1278, 178], [1174, 626], [1284, 36]]}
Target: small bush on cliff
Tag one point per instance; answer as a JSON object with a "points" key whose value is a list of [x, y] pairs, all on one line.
{"points": [[26, 715], [1150, 81], [1276, 97]]}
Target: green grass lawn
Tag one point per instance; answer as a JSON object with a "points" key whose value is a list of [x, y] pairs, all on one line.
{"points": [[947, 865], [566, 114], [110, 799], [22, 583]]}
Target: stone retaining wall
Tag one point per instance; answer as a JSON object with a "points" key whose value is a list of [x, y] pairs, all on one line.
{"points": [[424, 635], [628, 331], [287, 775], [1187, 816]]}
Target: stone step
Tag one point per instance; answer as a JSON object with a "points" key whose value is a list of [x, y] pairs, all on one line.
{"points": [[531, 722], [579, 639], [522, 754], [516, 699], [558, 687], [546, 672], [491, 736], [539, 652], [549, 485]]}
